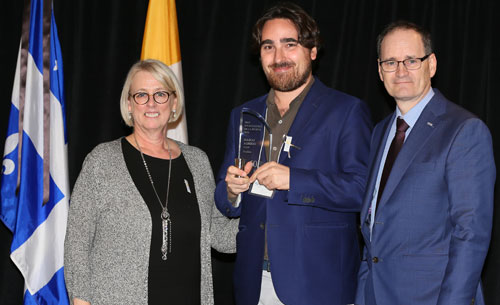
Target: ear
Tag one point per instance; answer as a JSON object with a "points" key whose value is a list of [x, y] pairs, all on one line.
{"points": [[129, 104], [380, 74], [432, 64], [314, 53]]}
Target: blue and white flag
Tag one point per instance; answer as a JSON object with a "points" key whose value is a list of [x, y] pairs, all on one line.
{"points": [[38, 222]]}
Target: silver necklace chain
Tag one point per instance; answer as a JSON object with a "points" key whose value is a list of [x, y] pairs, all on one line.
{"points": [[166, 223]]}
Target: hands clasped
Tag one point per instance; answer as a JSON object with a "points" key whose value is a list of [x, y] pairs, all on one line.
{"points": [[272, 175]]}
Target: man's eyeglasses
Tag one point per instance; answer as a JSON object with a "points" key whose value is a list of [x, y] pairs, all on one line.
{"points": [[160, 97], [409, 63]]}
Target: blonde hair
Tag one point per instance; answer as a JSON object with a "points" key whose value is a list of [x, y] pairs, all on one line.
{"points": [[161, 73]]}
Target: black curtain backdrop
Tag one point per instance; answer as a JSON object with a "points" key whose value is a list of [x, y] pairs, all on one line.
{"points": [[102, 39]]}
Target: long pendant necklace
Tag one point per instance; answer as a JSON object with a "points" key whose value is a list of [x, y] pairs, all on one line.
{"points": [[166, 223]]}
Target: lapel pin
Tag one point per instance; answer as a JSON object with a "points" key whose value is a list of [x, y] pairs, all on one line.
{"points": [[430, 124]]}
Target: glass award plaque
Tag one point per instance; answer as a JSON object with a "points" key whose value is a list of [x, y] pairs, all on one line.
{"points": [[251, 145]]}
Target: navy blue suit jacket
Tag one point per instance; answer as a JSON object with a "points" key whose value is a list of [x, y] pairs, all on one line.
{"points": [[311, 229], [433, 222]]}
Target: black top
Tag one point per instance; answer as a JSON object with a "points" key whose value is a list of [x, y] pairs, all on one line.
{"points": [[176, 280]]}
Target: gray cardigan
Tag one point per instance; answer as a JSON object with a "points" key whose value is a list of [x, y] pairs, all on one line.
{"points": [[109, 229]]}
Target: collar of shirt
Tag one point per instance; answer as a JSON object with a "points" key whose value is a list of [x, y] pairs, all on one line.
{"points": [[297, 100], [412, 116]]}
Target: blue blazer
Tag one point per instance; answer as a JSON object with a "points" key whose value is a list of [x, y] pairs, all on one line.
{"points": [[311, 229], [433, 222]]}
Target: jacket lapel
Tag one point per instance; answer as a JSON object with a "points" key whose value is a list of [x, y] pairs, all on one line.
{"points": [[379, 136], [421, 132], [304, 114]]}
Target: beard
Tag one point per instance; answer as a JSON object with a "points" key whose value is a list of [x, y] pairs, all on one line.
{"points": [[288, 81]]}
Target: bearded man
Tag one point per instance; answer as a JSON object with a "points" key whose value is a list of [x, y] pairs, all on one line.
{"points": [[299, 225]]}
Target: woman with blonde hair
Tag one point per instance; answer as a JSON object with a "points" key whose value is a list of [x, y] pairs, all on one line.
{"points": [[142, 219]]}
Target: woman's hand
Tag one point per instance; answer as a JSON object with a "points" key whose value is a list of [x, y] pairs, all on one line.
{"points": [[80, 302], [237, 181]]}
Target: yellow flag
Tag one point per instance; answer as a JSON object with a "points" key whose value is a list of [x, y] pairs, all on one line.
{"points": [[161, 42]]}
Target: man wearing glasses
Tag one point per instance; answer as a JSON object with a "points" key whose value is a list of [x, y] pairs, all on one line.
{"points": [[427, 213]]}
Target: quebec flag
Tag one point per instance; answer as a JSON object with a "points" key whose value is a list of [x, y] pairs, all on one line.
{"points": [[38, 225]]}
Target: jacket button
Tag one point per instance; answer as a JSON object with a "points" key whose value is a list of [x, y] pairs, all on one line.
{"points": [[262, 226], [375, 260]]}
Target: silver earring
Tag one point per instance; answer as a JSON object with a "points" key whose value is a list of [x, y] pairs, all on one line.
{"points": [[173, 113], [130, 115]]}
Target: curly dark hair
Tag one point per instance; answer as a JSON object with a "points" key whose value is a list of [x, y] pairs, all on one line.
{"points": [[306, 26]]}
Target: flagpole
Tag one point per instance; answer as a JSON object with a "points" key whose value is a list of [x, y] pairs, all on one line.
{"points": [[38, 225]]}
